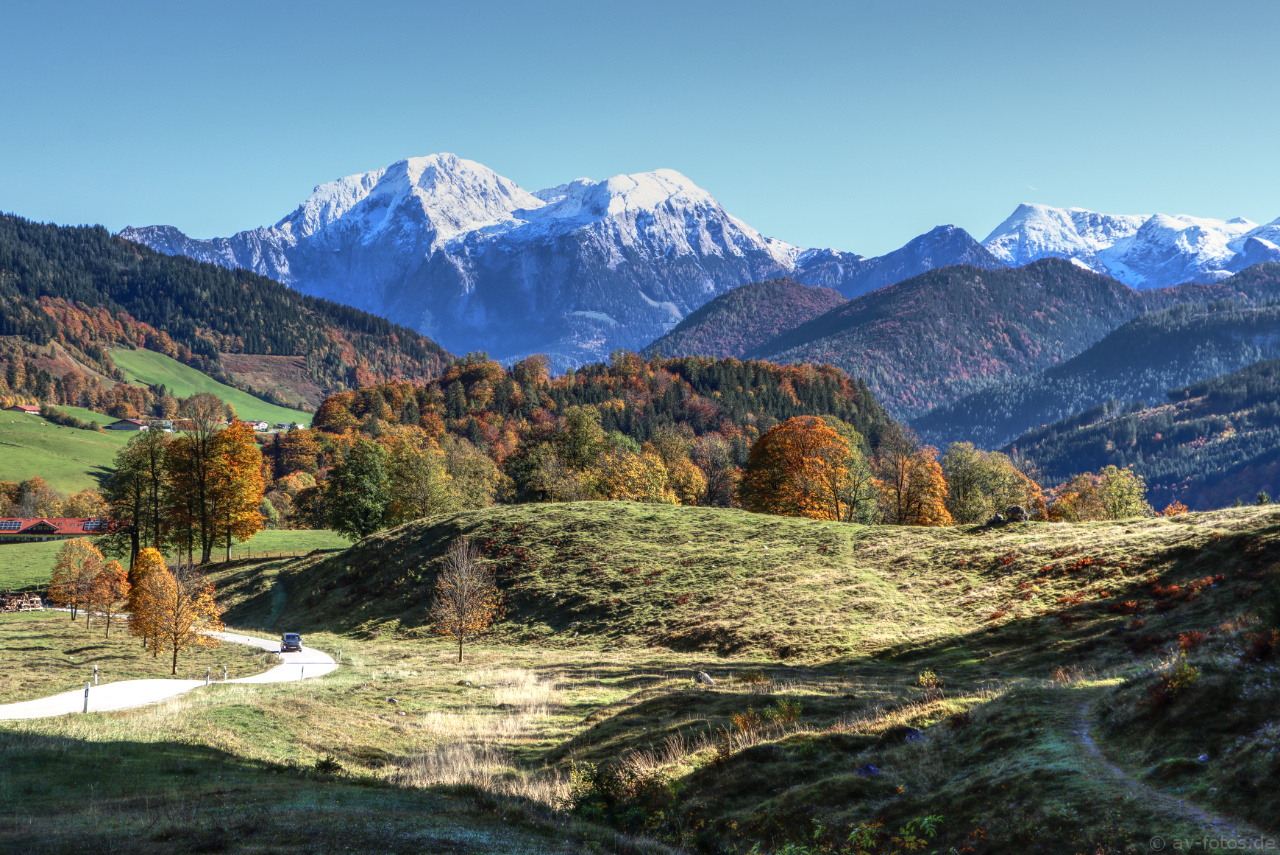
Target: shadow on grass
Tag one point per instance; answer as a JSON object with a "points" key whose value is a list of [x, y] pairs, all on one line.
{"points": [[65, 795]]}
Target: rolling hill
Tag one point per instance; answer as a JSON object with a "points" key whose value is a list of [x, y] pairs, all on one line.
{"points": [[86, 289], [742, 319], [148, 368], [69, 460]]}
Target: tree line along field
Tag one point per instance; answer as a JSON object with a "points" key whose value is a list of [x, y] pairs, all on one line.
{"points": [[1000, 645]]}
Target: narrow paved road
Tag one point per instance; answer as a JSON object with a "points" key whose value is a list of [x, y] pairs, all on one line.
{"points": [[136, 693]]}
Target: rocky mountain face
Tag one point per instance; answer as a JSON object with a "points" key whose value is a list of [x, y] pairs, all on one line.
{"points": [[448, 246], [456, 251], [854, 276], [1141, 251]]}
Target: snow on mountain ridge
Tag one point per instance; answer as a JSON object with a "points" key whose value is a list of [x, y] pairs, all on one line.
{"points": [[1142, 251]]}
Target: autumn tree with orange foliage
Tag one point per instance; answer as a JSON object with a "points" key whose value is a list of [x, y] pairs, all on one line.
{"points": [[912, 488], [175, 611], [71, 585], [110, 588], [803, 468], [1175, 509], [148, 563], [466, 597], [237, 485]]}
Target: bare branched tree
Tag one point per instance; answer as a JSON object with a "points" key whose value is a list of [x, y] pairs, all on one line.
{"points": [[466, 598]]}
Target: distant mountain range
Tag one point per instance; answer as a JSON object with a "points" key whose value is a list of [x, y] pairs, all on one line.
{"points": [[454, 250], [1141, 251]]}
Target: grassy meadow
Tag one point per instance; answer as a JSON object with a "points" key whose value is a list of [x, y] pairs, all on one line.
{"points": [[44, 653], [148, 368], [1031, 659], [68, 459], [29, 565]]}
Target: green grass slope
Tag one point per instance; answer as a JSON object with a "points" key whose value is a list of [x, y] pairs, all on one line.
{"points": [[1046, 638], [733, 582], [68, 459], [149, 368]]}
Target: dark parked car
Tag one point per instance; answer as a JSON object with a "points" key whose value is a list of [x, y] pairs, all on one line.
{"points": [[290, 641]]}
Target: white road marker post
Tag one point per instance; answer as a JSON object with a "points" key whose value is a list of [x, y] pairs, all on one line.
{"points": [[207, 671], [224, 673], [302, 671], [86, 697], [95, 675], [339, 655]]}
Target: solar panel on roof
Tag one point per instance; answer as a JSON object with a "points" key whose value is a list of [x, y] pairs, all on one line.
{"points": [[10, 525], [94, 525]]}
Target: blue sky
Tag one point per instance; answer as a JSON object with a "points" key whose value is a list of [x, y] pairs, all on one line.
{"points": [[853, 125]]}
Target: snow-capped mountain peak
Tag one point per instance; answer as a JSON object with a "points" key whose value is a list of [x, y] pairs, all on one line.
{"points": [[1142, 251], [444, 191]]}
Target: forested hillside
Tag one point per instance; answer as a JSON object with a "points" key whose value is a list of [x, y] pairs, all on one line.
{"points": [[1140, 361], [954, 331], [666, 430], [86, 289], [1212, 443], [744, 318]]}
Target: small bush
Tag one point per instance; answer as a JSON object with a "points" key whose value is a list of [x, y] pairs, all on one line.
{"points": [[1191, 640], [619, 795], [752, 678], [783, 712], [1260, 646], [930, 685], [1171, 685], [328, 766]]}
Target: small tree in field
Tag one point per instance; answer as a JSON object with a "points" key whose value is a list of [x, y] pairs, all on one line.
{"points": [[148, 563], [110, 587], [466, 599], [78, 564], [175, 611]]}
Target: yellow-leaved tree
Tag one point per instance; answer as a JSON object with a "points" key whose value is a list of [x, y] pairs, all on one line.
{"points": [[466, 597], [913, 490], [805, 467], [110, 588], [237, 485], [174, 611], [74, 572], [148, 562]]}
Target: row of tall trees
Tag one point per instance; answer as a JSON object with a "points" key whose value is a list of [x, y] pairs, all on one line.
{"points": [[83, 581], [823, 469], [191, 492], [170, 610], [34, 498]]}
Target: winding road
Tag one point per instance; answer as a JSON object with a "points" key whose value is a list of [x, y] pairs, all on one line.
{"points": [[127, 694]]}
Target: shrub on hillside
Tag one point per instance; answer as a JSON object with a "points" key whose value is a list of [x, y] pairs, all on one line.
{"points": [[619, 795]]}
